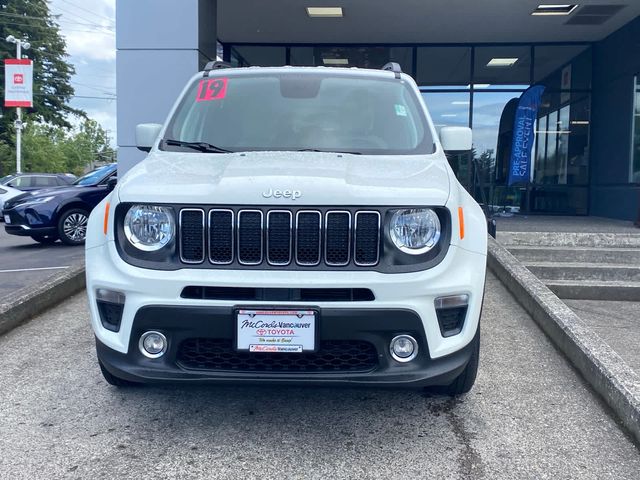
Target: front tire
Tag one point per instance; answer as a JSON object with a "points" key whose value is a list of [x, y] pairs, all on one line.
{"points": [[464, 382], [72, 226], [45, 239], [112, 379]]}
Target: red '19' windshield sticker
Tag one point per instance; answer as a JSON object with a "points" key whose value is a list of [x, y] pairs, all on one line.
{"points": [[212, 89]]}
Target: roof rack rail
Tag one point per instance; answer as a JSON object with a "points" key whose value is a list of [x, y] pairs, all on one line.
{"points": [[215, 65], [393, 67]]}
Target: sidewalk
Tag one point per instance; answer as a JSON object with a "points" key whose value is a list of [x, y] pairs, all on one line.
{"points": [[616, 322]]}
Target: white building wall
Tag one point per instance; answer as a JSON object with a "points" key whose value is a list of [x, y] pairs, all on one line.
{"points": [[160, 44]]}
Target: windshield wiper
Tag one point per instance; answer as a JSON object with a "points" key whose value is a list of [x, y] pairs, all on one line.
{"points": [[327, 151], [200, 146]]}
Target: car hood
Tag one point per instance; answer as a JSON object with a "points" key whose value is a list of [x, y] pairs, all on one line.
{"points": [[62, 191], [315, 178]]}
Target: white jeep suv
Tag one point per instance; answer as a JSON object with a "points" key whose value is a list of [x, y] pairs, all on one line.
{"points": [[291, 225]]}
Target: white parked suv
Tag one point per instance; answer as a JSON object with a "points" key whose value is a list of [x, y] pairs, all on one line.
{"points": [[291, 225]]}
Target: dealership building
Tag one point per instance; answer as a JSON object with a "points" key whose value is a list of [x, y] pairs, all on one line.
{"points": [[471, 59]]}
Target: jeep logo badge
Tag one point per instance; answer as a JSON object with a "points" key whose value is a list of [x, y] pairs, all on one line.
{"points": [[292, 194]]}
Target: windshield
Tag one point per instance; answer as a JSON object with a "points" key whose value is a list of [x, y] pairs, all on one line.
{"points": [[6, 179], [94, 177], [314, 110]]}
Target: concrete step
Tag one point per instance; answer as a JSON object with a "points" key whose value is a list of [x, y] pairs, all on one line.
{"points": [[563, 239], [623, 256], [596, 290], [549, 271]]}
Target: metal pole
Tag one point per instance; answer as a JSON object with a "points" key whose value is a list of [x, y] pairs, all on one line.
{"points": [[19, 141], [19, 120]]}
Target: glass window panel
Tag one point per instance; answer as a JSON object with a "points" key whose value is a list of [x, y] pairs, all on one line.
{"points": [[246, 56], [516, 74], [444, 66], [541, 149], [550, 171], [448, 108], [563, 145], [363, 57], [302, 56], [487, 113], [563, 67], [635, 166], [566, 132], [578, 156], [451, 109]]}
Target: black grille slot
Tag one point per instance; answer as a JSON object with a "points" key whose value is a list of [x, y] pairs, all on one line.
{"points": [[192, 235], [279, 237], [367, 241], [308, 238], [110, 314], [338, 238], [333, 356], [451, 320], [279, 294], [221, 236], [250, 237]]}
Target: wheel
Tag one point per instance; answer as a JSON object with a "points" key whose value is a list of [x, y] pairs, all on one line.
{"points": [[72, 226], [45, 239], [112, 379], [464, 381]]}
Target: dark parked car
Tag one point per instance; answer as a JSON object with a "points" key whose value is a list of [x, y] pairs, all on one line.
{"points": [[59, 213], [37, 181]]}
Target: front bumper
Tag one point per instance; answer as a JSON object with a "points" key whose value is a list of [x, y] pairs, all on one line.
{"points": [[28, 222], [375, 327], [404, 303]]}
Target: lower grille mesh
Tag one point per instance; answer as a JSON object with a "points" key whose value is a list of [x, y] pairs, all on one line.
{"points": [[333, 356]]}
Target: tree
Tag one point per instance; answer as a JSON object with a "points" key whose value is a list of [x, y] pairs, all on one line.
{"points": [[52, 72], [47, 148], [88, 145]]}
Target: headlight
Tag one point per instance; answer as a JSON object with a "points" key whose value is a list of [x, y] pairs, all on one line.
{"points": [[149, 227], [35, 201], [415, 231]]}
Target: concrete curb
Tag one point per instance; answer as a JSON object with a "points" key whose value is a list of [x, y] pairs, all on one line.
{"points": [[28, 302], [602, 367]]}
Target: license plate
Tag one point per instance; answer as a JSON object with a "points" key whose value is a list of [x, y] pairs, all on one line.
{"points": [[7, 219], [276, 331]]}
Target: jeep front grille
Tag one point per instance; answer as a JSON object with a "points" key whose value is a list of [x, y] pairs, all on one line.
{"points": [[280, 237]]}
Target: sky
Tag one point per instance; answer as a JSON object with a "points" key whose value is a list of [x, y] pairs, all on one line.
{"points": [[89, 30]]}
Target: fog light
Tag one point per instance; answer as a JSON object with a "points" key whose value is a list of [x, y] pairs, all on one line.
{"points": [[153, 344], [403, 348]]}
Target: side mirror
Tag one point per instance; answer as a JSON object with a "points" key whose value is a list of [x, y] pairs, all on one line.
{"points": [[146, 135], [112, 182], [455, 139]]}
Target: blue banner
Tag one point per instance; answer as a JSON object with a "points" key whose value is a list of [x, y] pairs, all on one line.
{"points": [[523, 135]]}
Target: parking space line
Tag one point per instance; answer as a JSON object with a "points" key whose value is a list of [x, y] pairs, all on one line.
{"points": [[33, 269]]}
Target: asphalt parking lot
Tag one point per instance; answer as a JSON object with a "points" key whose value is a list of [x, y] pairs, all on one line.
{"points": [[529, 416], [25, 262]]}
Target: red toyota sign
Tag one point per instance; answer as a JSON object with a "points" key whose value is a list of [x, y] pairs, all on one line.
{"points": [[18, 83]]}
